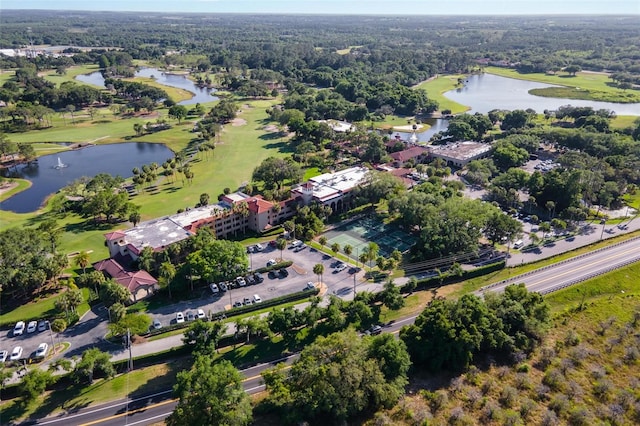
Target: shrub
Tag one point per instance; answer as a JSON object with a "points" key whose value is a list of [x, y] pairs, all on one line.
{"points": [[522, 381], [601, 389], [508, 396], [547, 355], [559, 404], [553, 378], [523, 368], [511, 418], [549, 418], [491, 412], [631, 354], [579, 416], [572, 338], [526, 408], [439, 400]]}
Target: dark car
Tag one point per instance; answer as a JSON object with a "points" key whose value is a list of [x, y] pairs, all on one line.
{"points": [[258, 276], [250, 280], [272, 275], [283, 272]]}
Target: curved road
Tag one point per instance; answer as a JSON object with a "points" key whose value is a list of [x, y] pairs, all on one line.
{"points": [[153, 408], [576, 269]]}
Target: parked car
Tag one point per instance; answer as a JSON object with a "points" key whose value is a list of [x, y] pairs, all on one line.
{"points": [[241, 282], [247, 301], [259, 247], [251, 249], [376, 329], [201, 314], [273, 243], [3, 355], [340, 267], [43, 325], [16, 354], [257, 298], [271, 275], [223, 286], [296, 243], [191, 316], [237, 304], [179, 318], [19, 328], [283, 272], [250, 280], [32, 326], [214, 288], [271, 262], [258, 276], [310, 286], [156, 325], [42, 350]]}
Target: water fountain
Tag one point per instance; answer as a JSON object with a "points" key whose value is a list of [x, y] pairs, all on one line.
{"points": [[60, 165]]}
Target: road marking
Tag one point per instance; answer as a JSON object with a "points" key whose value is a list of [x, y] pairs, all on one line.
{"points": [[164, 415], [148, 407], [66, 418], [571, 271], [286, 367]]}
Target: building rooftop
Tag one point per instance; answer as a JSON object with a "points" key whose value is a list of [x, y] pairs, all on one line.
{"points": [[156, 233], [338, 126], [404, 155], [187, 217], [330, 185], [460, 150]]}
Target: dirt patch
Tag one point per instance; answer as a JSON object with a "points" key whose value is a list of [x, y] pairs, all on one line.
{"points": [[6, 187], [237, 122]]}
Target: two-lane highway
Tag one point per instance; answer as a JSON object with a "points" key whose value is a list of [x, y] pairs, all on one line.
{"points": [[575, 269]]}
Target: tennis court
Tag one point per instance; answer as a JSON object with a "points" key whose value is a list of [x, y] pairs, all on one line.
{"points": [[360, 232]]}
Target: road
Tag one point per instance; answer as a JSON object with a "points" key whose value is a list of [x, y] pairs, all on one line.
{"points": [[575, 269], [156, 407]]}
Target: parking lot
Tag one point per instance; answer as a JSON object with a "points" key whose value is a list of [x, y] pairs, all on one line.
{"points": [[299, 274]]}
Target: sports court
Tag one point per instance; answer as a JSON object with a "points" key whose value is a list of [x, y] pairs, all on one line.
{"points": [[360, 232]]}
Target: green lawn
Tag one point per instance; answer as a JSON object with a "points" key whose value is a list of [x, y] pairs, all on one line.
{"points": [[40, 308], [438, 86], [588, 86], [21, 185]]}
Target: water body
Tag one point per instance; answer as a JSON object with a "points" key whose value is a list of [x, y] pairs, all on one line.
{"points": [[437, 125], [200, 94], [47, 177], [484, 92]]}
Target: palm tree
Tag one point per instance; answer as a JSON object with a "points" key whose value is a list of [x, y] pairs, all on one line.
{"points": [[347, 249], [318, 269], [372, 252], [167, 272], [281, 244], [322, 240], [82, 260], [335, 248]]}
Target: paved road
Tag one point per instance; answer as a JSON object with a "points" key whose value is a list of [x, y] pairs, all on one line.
{"points": [[576, 269], [153, 408]]}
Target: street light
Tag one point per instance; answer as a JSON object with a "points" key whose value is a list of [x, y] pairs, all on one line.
{"points": [[53, 343]]}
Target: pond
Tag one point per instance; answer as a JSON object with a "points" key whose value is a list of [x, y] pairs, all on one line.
{"points": [[200, 94], [437, 125], [52, 172], [484, 92]]}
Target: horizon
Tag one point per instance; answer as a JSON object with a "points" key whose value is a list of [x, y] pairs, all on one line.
{"points": [[343, 7]]}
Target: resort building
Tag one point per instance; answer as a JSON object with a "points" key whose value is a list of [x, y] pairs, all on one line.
{"points": [[459, 154]]}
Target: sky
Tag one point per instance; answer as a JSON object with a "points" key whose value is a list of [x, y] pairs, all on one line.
{"points": [[352, 7]]}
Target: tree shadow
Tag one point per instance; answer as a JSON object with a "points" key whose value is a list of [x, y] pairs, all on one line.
{"points": [[270, 136]]}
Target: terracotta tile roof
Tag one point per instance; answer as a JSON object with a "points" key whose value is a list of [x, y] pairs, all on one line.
{"points": [[115, 235], [258, 205], [407, 154], [132, 280]]}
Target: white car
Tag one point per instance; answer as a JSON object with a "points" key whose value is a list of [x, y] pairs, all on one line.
{"points": [[257, 298], [43, 325], [201, 314], [32, 327], [223, 286], [310, 286], [296, 243], [271, 262], [241, 282], [341, 267], [156, 324], [179, 318], [3, 356], [259, 247], [16, 354], [19, 328], [42, 350], [214, 288]]}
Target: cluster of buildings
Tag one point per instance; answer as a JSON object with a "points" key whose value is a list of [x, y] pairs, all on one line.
{"points": [[238, 213]]}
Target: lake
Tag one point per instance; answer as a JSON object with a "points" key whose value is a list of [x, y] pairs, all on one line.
{"points": [[200, 94], [46, 179], [484, 92]]}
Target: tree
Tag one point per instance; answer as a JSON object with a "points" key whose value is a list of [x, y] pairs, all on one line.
{"points": [[135, 323], [117, 312], [167, 271], [273, 171], [178, 112], [111, 292], [573, 69], [34, 383], [500, 226], [204, 336], [516, 119], [93, 362], [210, 394], [82, 260], [392, 355], [336, 378], [281, 244], [335, 248], [135, 218], [138, 128], [204, 199], [218, 260], [347, 250], [391, 297], [223, 112], [322, 240], [371, 250], [318, 269]]}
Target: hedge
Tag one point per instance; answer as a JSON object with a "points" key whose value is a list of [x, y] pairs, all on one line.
{"points": [[281, 265], [432, 282]]}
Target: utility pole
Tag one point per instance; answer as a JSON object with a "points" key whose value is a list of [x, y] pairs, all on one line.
{"points": [[354, 285], [130, 355], [53, 343]]}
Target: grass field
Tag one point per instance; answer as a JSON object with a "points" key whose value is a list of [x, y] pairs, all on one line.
{"points": [[438, 86], [589, 86], [40, 308]]}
